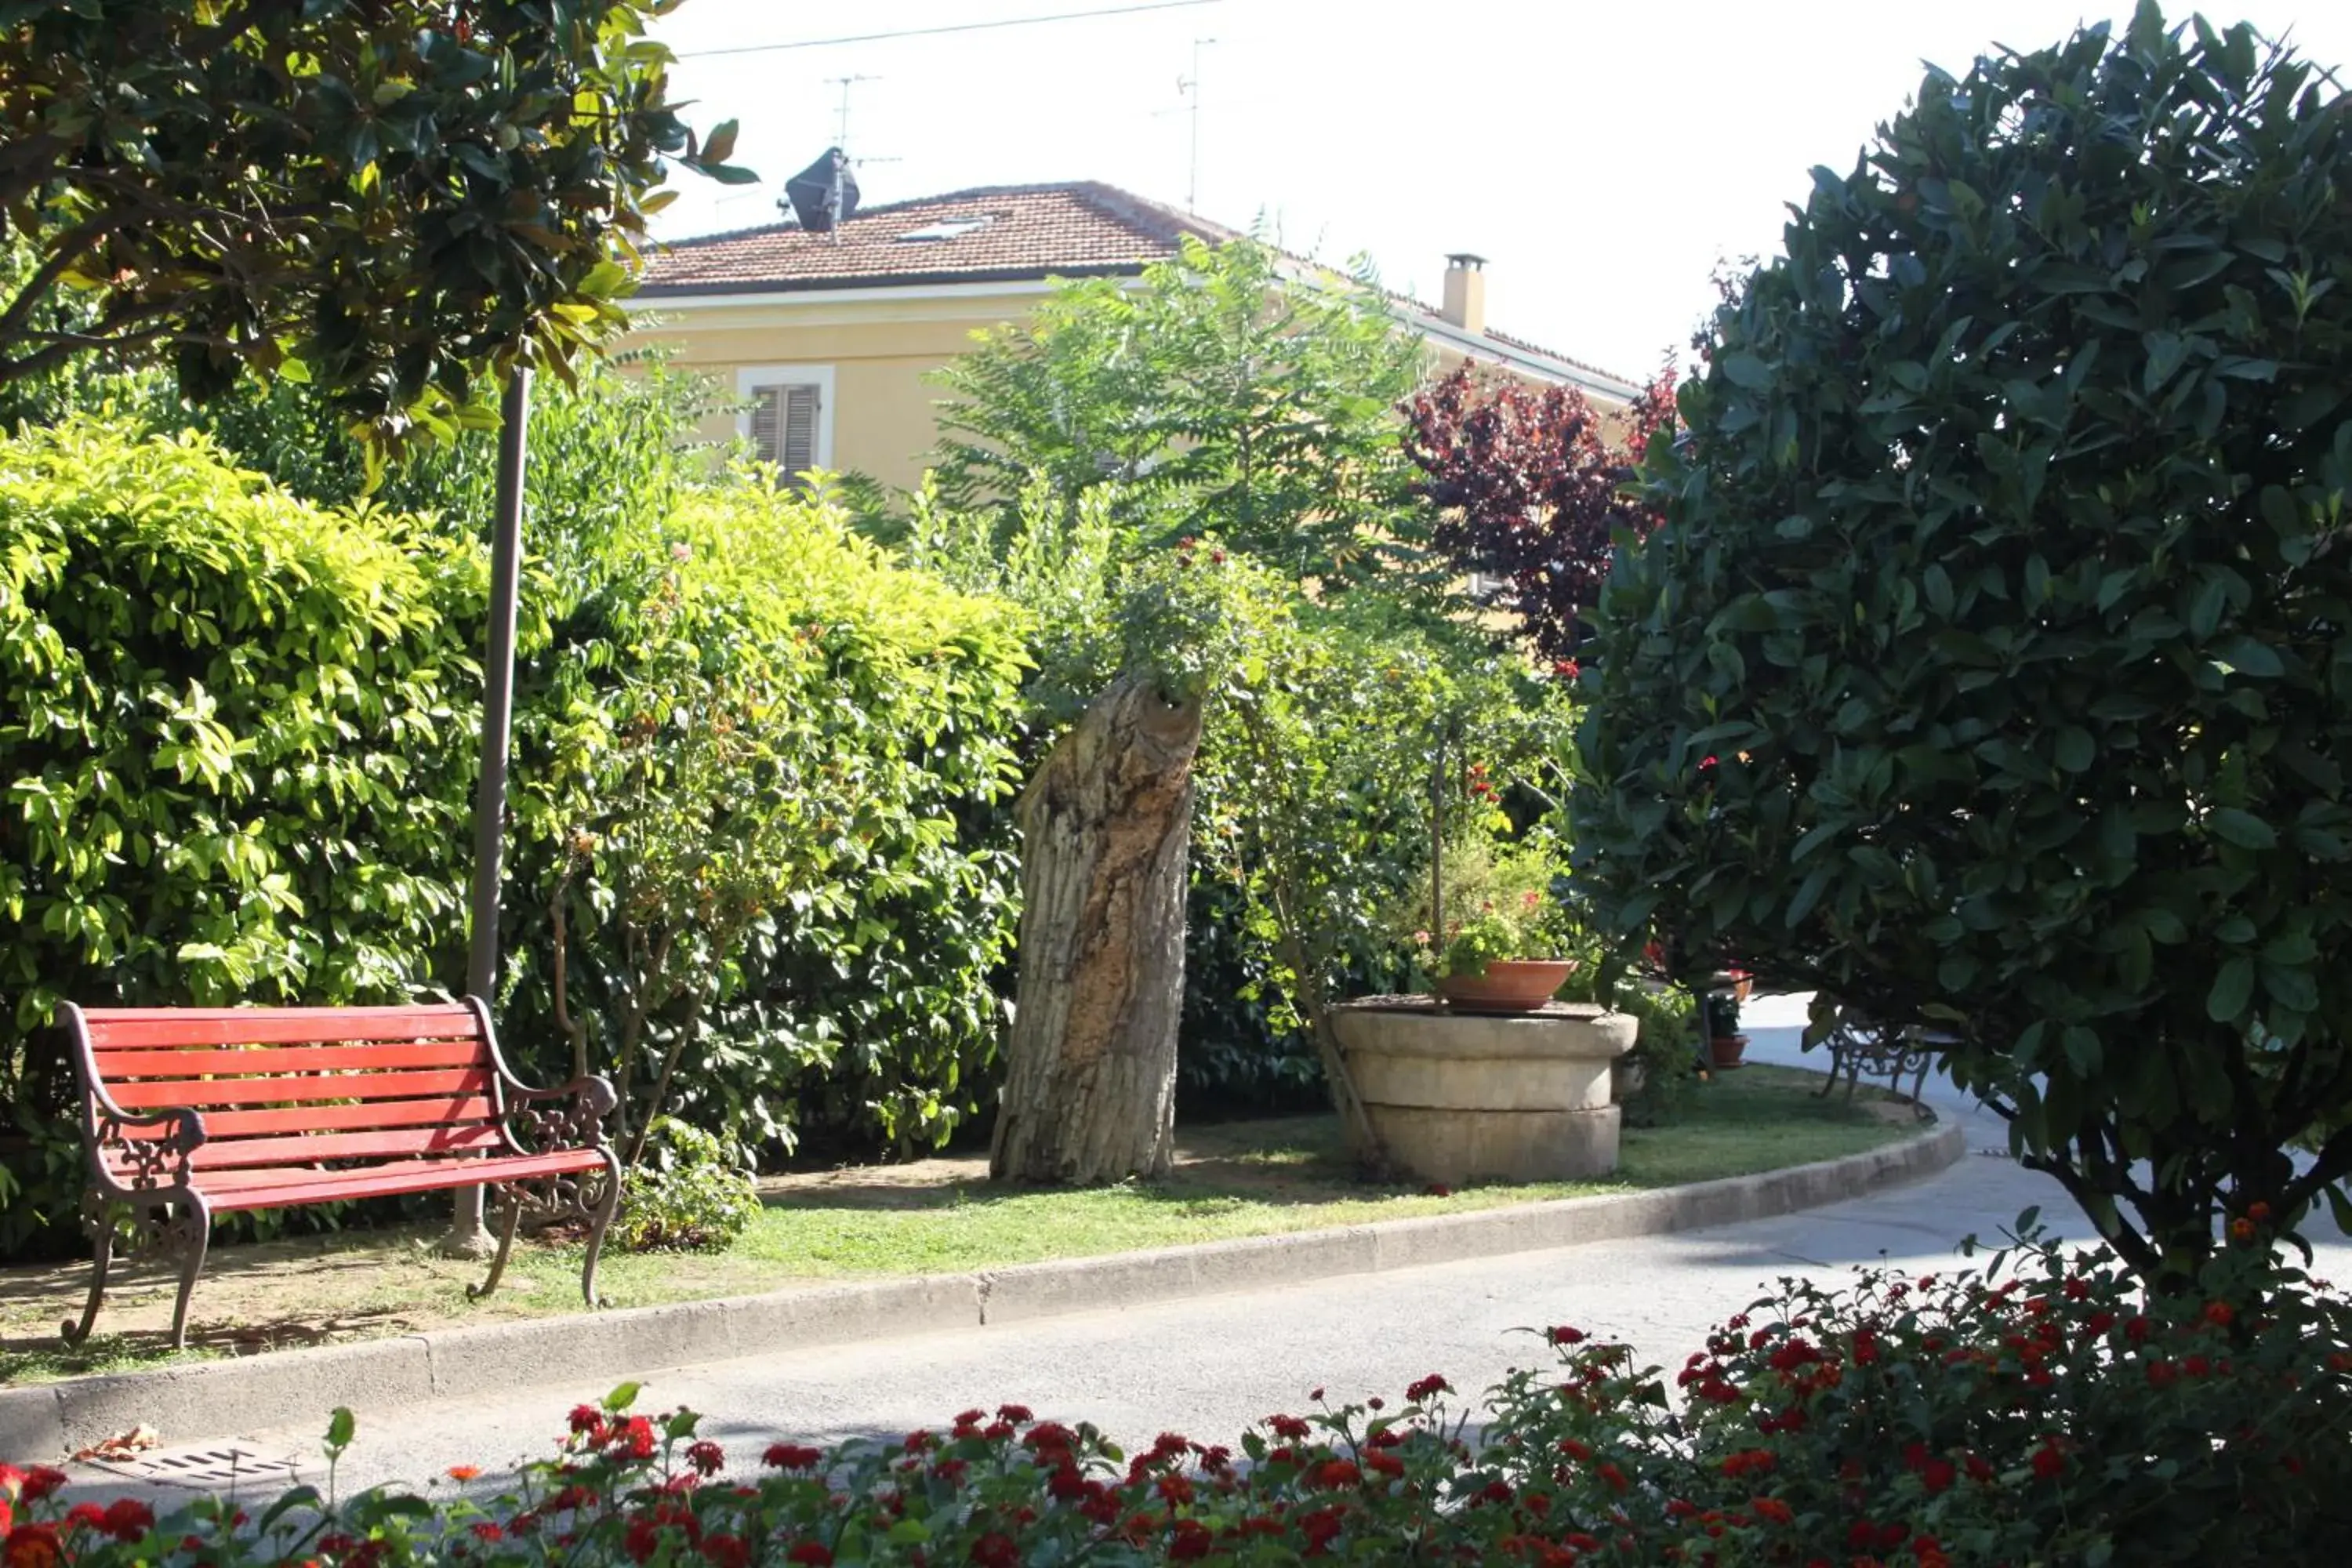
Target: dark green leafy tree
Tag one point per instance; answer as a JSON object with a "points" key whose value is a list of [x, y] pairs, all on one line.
{"points": [[386, 198], [1263, 399], [1993, 666]]}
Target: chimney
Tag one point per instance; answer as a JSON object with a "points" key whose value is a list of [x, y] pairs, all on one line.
{"points": [[1466, 292]]}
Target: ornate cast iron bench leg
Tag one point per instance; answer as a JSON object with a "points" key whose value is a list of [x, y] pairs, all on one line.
{"points": [[190, 1234], [607, 1201], [513, 1196], [100, 1224]]}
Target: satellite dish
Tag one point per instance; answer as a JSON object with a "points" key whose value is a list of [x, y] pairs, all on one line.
{"points": [[824, 194]]}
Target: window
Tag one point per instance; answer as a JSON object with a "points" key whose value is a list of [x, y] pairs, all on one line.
{"points": [[950, 229], [790, 420]]}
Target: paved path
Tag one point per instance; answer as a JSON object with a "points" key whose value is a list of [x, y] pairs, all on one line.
{"points": [[1209, 1366]]}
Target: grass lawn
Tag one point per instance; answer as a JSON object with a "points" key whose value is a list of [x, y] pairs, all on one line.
{"points": [[1235, 1179]]}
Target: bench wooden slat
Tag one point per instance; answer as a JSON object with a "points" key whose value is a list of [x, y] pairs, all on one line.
{"points": [[360, 1116], [201, 1092], [132, 1028], [386, 1180], [118, 1066], [309, 1148]]}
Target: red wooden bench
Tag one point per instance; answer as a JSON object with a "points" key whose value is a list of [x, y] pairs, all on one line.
{"points": [[188, 1113]]}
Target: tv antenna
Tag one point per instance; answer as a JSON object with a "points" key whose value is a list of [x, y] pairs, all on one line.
{"points": [[1189, 87], [841, 122], [825, 195]]}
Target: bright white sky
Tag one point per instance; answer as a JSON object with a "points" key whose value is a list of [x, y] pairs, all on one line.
{"points": [[1604, 156]]}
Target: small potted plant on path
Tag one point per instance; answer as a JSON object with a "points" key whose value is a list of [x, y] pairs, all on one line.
{"points": [[1720, 1006]]}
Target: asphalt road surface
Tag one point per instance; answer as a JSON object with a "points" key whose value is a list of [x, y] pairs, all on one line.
{"points": [[1209, 1366]]}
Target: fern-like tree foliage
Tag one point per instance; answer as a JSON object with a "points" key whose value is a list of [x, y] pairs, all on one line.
{"points": [[1257, 395]]}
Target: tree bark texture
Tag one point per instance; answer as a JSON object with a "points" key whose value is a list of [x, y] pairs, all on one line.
{"points": [[1090, 1068]]}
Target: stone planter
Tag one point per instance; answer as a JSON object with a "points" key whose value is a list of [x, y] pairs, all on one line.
{"points": [[1626, 1079], [1460, 1097]]}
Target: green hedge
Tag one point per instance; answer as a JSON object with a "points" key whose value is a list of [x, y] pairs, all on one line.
{"points": [[226, 755], [239, 756]]}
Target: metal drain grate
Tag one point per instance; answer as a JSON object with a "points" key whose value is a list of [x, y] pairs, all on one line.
{"points": [[211, 1468]]}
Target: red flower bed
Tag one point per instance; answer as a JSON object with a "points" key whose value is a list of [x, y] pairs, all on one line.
{"points": [[2046, 1413]]}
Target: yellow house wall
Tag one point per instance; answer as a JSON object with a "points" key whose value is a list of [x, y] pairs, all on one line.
{"points": [[884, 419]]}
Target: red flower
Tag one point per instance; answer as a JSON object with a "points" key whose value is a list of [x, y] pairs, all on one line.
{"points": [[41, 1481], [726, 1552], [2220, 1313], [2048, 1462], [85, 1516], [1564, 1335], [1771, 1510], [1337, 1473], [811, 1554], [707, 1457], [642, 1539], [1189, 1541], [464, 1472], [1613, 1475], [634, 1438], [1015, 1413], [791, 1457], [1429, 1387], [31, 1546], [128, 1519]]}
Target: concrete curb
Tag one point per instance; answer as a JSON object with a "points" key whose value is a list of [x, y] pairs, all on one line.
{"points": [[211, 1399]]}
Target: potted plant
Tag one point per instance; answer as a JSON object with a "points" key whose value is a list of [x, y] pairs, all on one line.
{"points": [[1725, 1043], [1501, 944]]}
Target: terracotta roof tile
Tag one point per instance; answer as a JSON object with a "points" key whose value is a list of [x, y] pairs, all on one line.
{"points": [[1077, 229], [1017, 231]]}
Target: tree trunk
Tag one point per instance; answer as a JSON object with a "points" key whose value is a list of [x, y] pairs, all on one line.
{"points": [[1090, 1069]]}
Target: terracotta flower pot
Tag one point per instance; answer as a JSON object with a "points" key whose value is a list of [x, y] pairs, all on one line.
{"points": [[1507, 986], [1725, 1050]]}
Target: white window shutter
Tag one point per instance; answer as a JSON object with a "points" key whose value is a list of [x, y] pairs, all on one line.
{"points": [[764, 422], [784, 427], [797, 436]]}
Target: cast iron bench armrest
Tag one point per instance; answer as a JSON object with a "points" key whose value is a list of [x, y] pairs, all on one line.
{"points": [[579, 1125], [150, 1155]]}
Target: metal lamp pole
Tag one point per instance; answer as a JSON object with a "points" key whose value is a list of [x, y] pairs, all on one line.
{"points": [[467, 1236]]}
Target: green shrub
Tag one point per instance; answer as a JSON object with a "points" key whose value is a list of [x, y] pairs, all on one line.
{"points": [[1989, 669], [237, 755], [683, 1193], [858, 999]]}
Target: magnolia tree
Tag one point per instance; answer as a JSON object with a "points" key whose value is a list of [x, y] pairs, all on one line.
{"points": [[385, 198], [1529, 486], [1993, 668]]}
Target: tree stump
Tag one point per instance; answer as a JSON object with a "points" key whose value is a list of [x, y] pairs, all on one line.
{"points": [[1090, 1069]]}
